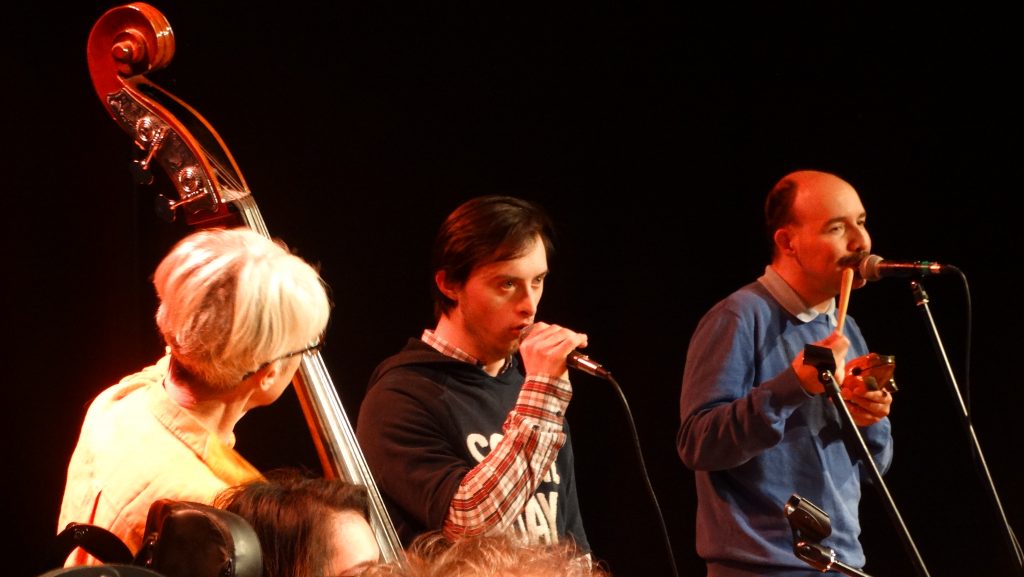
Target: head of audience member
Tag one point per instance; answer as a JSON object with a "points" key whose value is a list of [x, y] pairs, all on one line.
{"points": [[307, 526], [493, 555], [816, 225], [235, 305]]}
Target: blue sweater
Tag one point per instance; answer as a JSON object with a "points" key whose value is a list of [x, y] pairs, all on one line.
{"points": [[754, 437]]}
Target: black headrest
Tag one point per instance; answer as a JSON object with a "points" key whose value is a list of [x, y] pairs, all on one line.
{"points": [[186, 539]]}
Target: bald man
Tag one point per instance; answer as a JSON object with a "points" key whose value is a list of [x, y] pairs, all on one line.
{"points": [[755, 424]]}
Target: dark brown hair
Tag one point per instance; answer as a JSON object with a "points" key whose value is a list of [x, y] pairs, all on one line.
{"points": [[483, 230], [289, 512]]}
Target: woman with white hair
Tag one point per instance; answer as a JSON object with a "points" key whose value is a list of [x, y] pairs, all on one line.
{"points": [[237, 311]]}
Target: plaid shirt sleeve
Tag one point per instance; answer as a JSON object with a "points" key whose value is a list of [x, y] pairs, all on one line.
{"points": [[496, 491]]}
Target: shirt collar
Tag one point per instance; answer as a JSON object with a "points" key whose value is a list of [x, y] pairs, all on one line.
{"points": [[787, 297], [445, 348]]}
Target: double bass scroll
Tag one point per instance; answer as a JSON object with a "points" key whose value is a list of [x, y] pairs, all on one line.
{"points": [[125, 44]]}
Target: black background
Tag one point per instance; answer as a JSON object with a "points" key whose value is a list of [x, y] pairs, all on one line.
{"points": [[651, 132]]}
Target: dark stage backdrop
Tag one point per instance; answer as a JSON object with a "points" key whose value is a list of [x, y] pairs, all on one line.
{"points": [[651, 131]]}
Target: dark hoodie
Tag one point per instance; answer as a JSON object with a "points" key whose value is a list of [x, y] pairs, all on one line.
{"points": [[427, 419]]}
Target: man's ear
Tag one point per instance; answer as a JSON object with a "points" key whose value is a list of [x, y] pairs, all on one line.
{"points": [[783, 240], [447, 289]]}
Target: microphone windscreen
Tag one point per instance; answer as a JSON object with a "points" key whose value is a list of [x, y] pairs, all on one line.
{"points": [[868, 268]]}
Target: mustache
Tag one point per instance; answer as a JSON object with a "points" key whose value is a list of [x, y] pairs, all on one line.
{"points": [[853, 261]]}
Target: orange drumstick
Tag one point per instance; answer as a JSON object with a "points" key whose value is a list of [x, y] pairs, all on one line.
{"points": [[844, 298]]}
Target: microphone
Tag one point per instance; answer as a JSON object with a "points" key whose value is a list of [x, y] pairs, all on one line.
{"points": [[578, 360], [874, 267]]}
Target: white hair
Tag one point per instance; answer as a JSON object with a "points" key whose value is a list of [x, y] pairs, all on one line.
{"points": [[232, 299]]}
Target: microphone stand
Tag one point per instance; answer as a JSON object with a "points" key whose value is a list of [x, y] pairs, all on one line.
{"points": [[810, 524], [921, 299], [821, 358], [824, 559]]}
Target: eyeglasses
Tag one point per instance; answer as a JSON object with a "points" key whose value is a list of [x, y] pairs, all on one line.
{"points": [[306, 351]]}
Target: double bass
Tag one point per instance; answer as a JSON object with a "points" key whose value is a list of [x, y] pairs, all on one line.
{"points": [[125, 44]]}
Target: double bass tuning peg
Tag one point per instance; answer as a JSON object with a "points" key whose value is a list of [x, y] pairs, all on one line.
{"points": [[148, 138], [141, 173], [164, 208]]}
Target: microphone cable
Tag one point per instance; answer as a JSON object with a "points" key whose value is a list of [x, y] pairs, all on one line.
{"points": [[964, 398], [607, 375]]}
